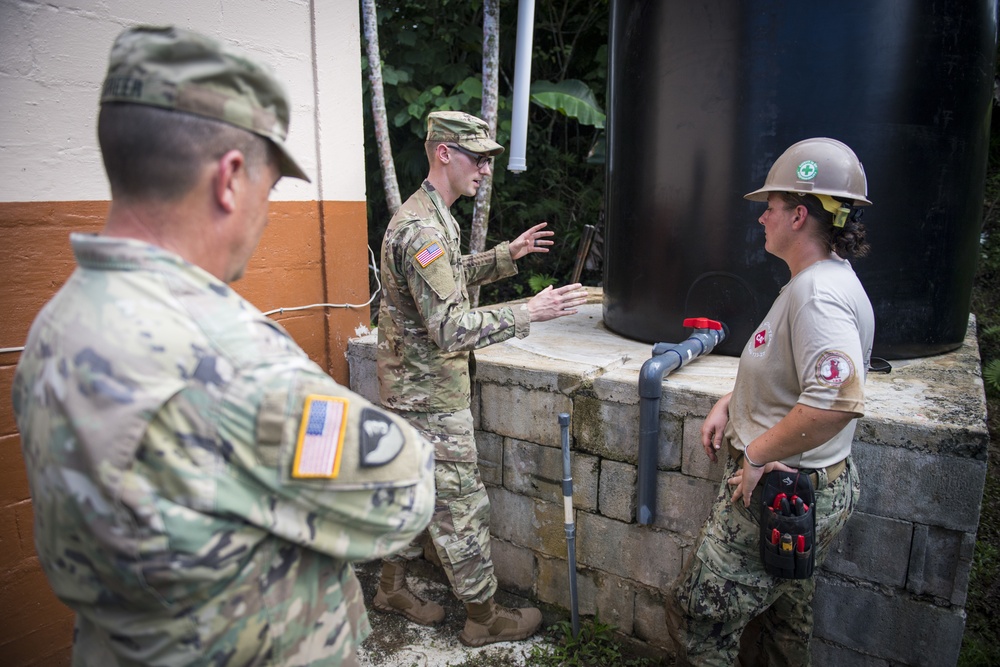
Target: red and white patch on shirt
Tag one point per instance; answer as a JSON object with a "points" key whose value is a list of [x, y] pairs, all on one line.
{"points": [[759, 342], [834, 368]]}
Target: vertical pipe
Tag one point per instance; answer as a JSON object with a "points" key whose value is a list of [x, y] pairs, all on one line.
{"points": [[569, 523], [666, 359], [522, 85]]}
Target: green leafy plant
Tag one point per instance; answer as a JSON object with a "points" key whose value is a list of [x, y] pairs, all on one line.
{"points": [[572, 98], [537, 282], [594, 646], [991, 375]]}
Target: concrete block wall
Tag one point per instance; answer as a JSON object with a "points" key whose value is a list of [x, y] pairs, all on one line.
{"points": [[893, 589]]}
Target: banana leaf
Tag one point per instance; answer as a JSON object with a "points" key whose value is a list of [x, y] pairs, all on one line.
{"points": [[572, 98]]}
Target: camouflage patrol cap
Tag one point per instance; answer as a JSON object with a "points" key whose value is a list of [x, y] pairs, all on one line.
{"points": [[466, 130], [181, 70]]}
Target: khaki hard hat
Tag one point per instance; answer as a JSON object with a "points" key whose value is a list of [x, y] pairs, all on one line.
{"points": [[818, 166], [469, 132], [181, 70]]}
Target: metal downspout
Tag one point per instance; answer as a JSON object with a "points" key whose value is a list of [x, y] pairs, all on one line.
{"points": [[666, 359]]}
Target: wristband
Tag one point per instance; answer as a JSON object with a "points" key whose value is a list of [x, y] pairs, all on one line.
{"points": [[746, 455]]}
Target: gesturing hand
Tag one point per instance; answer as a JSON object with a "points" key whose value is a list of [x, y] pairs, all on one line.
{"points": [[551, 302], [533, 240]]}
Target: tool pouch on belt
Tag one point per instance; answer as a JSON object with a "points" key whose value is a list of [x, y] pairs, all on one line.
{"points": [[787, 525]]}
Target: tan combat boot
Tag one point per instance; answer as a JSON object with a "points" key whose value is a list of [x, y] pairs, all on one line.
{"points": [[393, 596], [489, 622]]}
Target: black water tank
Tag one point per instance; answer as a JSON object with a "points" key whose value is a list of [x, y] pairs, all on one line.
{"points": [[705, 95]]}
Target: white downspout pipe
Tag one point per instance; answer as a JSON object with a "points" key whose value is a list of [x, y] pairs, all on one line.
{"points": [[522, 85]]}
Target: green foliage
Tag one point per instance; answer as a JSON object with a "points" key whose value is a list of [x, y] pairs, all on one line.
{"points": [[537, 282], [981, 643], [595, 646], [991, 375], [980, 647], [572, 98], [432, 59]]}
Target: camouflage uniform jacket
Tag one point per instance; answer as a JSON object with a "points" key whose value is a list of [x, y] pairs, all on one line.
{"points": [[425, 327], [171, 434]]}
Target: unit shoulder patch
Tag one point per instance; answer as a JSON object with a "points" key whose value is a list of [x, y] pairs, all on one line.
{"points": [[381, 440]]}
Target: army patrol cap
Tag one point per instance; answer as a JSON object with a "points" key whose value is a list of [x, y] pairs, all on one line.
{"points": [[181, 70], [469, 132]]}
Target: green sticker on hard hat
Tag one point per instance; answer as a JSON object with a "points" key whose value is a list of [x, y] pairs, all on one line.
{"points": [[807, 170]]}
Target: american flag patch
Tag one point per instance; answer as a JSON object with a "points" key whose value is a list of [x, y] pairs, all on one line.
{"points": [[321, 437], [429, 253]]}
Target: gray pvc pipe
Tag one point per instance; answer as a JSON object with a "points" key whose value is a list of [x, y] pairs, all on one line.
{"points": [[522, 86], [666, 359], [569, 523]]}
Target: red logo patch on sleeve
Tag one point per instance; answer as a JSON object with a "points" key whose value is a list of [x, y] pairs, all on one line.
{"points": [[834, 368]]}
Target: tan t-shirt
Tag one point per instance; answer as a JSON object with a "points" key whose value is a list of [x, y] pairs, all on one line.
{"points": [[813, 348]]}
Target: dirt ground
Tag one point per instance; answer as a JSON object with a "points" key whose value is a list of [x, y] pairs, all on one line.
{"points": [[396, 642]]}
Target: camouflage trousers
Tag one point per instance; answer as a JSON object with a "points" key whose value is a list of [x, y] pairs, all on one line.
{"points": [[724, 593], [460, 526]]}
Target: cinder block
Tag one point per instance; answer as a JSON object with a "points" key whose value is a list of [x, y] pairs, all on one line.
{"points": [[617, 491], [525, 414], [611, 431], [683, 503], [553, 585], [615, 601], [968, 439], [825, 654], [598, 593], [949, 493], [362, 367], [490, 447], [872, 548], [650, 618], [537, 471], [940, 562], [694, 460], [640, 553], [527, 522], [475, 402], [514, 566], [896, 627], [682, 401]]}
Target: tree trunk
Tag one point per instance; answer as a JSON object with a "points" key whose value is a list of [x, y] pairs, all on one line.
{"points": [[378, 106], [491, 51]]}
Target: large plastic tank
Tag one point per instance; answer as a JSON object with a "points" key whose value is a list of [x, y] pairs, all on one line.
{"points": [[705, 95]]}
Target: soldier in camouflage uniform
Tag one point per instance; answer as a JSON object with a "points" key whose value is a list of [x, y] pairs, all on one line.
{"points": [[200, 487], [426, 335], [798, 393]]}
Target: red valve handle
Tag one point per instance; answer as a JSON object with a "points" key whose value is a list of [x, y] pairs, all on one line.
{"points": [[702, 323]]}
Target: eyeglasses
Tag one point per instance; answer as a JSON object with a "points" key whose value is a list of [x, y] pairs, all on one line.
{"points": [[481, 160]]}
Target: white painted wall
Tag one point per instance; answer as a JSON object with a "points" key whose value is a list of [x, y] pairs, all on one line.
{"points": [[53, 57]]}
